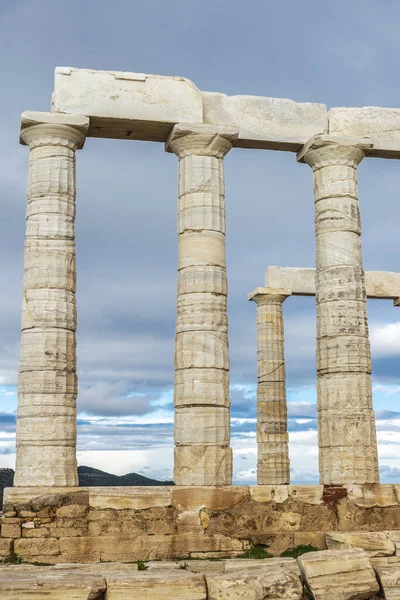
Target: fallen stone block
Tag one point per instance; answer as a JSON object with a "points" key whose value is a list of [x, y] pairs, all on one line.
{"points": [[169, 585], [339, 574], [375, 543], [389, 578], [266, 582], [33, 583]]}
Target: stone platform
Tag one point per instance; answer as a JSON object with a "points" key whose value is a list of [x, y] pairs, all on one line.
{"points": [[90, 525]]}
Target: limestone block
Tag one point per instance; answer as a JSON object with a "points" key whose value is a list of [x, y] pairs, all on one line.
{"points": [[200, 425], [201, 349], [344, 465], [35, 547], [202, 279], [201, 386], [268, 123], [201, 210], [133, 498], [54, 382], [375, 543], [272, 415], [54, 586], [201, 312], [47, 405], [192, 498], [51, 168], [12, 530], [266, 582], [49, 308], [380, 125], [50, 349], [206, 248], [337, 248], [269, 392], [340, 281], [5, 548], [342, 354], [47, 430], [371, 496], [309, 494], [156, 585], [344, 392], [351, 428], [127, 105], [34, 460], [389, 578], [336, 184], [202, 465], [343, 317], [199, 173], [49, 264], [269, 493], [272, 467], [339, 574], [51, 205]]}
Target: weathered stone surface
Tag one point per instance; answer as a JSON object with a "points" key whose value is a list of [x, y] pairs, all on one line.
{"points": [[347, 439], [375, 543], [339, 574], [129, 498], [274, 582], [157, 586], [202, 431], [380, 125], [34, 583], [269, 123], [46, 424], [389, 578], [127, 105], [273, 466]]}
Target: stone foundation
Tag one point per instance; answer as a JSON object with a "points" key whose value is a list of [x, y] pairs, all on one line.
{"points": [[89, 525]]}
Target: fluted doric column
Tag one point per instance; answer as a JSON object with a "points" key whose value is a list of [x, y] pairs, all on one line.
{"points": [[346, 421], [202, 417], [273, 465], [47, 387]]}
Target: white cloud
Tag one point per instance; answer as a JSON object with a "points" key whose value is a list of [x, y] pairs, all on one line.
{"points": [[385, 339]]}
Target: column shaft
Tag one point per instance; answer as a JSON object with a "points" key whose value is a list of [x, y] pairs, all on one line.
{"points": [[346, 421], [273, 465], [202, 419], [47, 387]]}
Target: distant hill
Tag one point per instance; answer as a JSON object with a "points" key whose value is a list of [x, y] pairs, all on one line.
{"points": [[89, 477]]}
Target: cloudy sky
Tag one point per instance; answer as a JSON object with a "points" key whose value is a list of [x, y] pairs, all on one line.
{"points": [[339, 53]]}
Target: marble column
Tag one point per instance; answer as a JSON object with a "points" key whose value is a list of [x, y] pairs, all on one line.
{"points": [[201, 396], [273, 467], [346, 421], [47, 386]]}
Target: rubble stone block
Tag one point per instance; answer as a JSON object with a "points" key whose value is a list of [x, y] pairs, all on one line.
{"points": [[339, 574], [375, 543]]}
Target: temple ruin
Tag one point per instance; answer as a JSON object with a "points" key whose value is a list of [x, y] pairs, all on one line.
{"points": [[203, 514]]}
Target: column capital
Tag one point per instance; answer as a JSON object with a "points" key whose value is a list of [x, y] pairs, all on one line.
{"points": [[47, 129], [264, 295], [186, 139], [325, 150]]}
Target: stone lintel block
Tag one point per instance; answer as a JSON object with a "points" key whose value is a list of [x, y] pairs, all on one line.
{"points": [[375, 544], [380, 125], [78, 122], [339, 574], [126, 105], [266, 123], [263, 295], [270, 493]]}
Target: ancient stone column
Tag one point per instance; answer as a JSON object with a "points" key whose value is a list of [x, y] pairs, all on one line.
{"points": [[47, 387], [346, 421], [273, 465], [202, 418]]}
